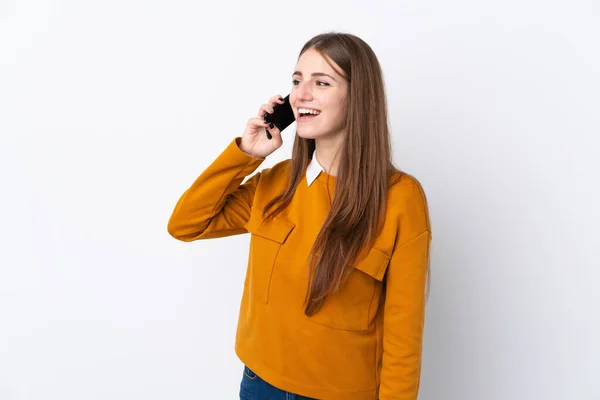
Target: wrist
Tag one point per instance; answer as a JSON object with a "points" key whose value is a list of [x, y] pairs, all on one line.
{"points": [[243, 149]]}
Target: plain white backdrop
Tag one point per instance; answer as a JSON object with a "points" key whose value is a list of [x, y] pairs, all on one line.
{"points": [[110, 109]]}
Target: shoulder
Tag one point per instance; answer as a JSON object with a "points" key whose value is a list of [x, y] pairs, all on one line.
{"points": [[279, 171], [274, 179], [407, 202], [404, 185]]}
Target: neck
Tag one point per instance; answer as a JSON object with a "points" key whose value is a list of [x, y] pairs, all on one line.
{"points": [[327, 153]]}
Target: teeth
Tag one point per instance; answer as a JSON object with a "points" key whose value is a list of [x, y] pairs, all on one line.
{"points": [[308, 111]]}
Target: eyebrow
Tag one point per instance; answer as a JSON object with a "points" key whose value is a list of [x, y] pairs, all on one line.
{"points": [[315, 74]]}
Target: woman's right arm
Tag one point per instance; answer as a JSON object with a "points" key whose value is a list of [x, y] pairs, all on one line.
{"points": [[217, 204]]}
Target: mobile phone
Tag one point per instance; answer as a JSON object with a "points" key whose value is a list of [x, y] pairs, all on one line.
{"points": [[282, 115]]}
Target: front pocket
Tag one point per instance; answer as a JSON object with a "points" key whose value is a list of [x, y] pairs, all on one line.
{"points": [[248, 373], [265, 243], [355, 305]]}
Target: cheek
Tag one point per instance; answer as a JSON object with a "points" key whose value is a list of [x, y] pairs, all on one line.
{"points": [[292, 96], [338, 112], [337, 107]]}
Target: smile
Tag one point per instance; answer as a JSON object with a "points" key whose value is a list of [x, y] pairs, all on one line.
{"points": [[306, 114]]}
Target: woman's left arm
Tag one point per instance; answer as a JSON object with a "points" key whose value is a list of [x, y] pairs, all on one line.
{"points": [[404, 308]]}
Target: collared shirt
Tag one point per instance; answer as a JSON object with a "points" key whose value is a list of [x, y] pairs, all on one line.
{"points": [[313, 170]]}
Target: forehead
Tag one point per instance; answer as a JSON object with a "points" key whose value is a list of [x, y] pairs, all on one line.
{"points": [[312, 61]]}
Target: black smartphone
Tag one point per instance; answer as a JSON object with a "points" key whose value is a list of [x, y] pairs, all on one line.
{"points": [[282, 115]]}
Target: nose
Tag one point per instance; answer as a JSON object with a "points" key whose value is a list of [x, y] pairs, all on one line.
{"points": [[303, 93]]}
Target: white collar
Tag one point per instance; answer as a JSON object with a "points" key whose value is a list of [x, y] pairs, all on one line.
{"points": [[313, 170]]}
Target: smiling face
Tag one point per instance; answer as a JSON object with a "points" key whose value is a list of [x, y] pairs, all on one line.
{"points": [[318, 97]]}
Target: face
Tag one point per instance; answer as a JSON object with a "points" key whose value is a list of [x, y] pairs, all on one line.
{"points": [[321, 91]]}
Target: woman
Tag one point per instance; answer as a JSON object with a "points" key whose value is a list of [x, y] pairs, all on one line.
{"points": [[334, 295]]}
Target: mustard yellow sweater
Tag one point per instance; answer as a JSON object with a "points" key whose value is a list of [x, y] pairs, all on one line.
{"points": [[366, 341]]}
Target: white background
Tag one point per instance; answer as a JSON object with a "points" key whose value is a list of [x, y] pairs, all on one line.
{"points": [[110, 109]]}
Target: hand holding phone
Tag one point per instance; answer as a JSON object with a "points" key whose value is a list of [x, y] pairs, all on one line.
{"points": [[261, 138], [282, 115]]}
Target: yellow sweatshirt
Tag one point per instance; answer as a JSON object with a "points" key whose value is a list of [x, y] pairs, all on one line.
{"points": [[365, 343]]}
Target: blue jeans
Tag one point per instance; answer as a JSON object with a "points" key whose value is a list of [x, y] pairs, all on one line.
{"points": [[254, 388]]}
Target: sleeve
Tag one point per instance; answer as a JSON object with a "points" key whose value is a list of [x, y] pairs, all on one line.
{"points": [[217, 204], [404, 308]]}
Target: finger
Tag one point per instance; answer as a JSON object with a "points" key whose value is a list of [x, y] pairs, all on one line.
{"points": [[274, 131], [271, 130], [265, 108], [277, 99], [258, 123]]}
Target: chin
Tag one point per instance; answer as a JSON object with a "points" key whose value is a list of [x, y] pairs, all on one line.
{"points": [[310, 133]]}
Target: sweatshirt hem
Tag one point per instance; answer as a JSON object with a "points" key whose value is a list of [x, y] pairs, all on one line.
{"points": [[275, 379]]}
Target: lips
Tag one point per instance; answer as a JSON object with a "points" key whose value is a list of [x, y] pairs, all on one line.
{"points": [[307, 117], [307, 114]]}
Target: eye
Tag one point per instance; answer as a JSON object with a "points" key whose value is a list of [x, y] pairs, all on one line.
{"points": [[321, 83], [295, 82]]}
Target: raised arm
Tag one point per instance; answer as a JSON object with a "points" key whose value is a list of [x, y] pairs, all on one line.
{"points": [[217, 204]]}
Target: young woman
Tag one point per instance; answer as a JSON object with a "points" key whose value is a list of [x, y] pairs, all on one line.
{"points": [[334, 296]]}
